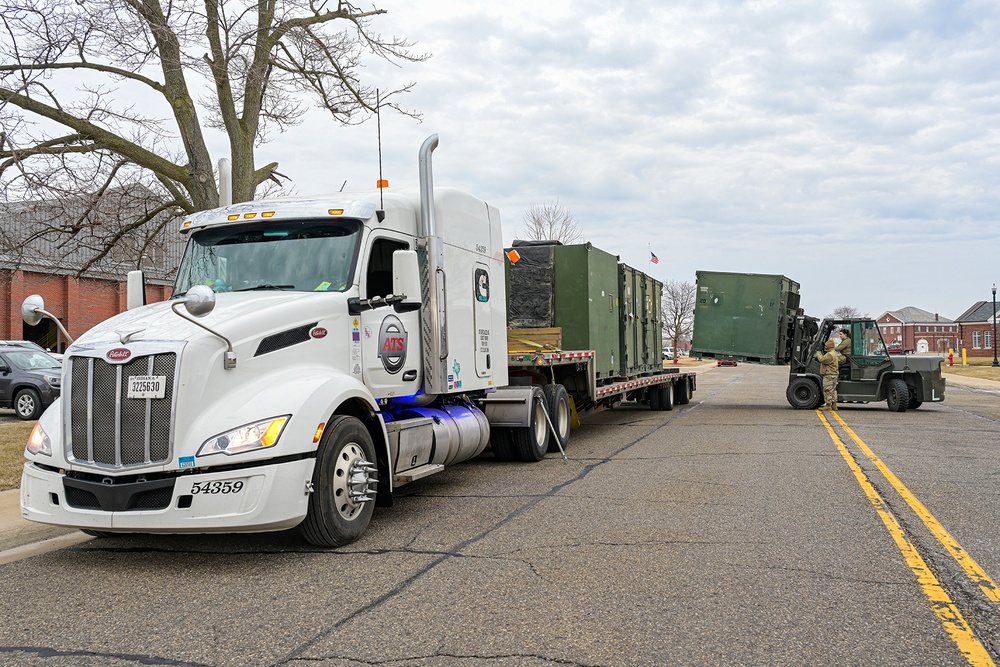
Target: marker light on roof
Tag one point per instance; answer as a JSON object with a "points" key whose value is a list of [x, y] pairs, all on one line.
{"points": [[235, 216], [249, 216], [187, 223], [267, 214], [336, 211]]}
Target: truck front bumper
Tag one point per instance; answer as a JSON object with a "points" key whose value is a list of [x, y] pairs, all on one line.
{"points": [[265, 498]]}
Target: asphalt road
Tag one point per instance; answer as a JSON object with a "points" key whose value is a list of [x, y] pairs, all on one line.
{"points": [[733, 531]]}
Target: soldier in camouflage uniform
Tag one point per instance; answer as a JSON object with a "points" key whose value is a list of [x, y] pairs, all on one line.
{"points": [[828, 368]]}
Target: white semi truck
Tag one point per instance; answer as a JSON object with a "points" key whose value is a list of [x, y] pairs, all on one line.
{"points": [[316, 355]]}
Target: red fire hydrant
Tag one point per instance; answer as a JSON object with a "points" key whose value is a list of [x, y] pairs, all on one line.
{"points": [[951, 358]]}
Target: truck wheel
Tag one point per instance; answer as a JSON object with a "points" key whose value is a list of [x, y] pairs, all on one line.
{"points": [[27, 404], [682, 392], [899, 395], [532, 442], [502, 444], [803, 394], [96, 533], [557, 400], [345, 482]]}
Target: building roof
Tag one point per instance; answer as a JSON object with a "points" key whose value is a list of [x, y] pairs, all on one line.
{"points": [[980, 311], [62, 237], [914, 315]]}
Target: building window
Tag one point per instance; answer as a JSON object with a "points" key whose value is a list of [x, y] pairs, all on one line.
{"points": [[987, 339], [976, 338]]}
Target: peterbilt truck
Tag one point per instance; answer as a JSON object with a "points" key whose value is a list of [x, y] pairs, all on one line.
{"points": [[316, 355], [756, 318]]}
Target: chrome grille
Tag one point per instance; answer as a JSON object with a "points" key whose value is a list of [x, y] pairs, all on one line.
{"points": [[109, 429]]}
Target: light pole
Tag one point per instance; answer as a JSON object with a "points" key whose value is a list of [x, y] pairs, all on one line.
{"points": [[994, 341]]}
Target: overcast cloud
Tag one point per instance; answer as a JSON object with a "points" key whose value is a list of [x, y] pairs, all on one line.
{"points": [[851, 146]]}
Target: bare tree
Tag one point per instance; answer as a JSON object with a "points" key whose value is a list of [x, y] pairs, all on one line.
{"points": [[73, 74], [678, 311], [550, 222], [845, 312]]}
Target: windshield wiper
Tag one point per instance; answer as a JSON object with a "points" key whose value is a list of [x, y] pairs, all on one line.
{"points": [[264, 286]]}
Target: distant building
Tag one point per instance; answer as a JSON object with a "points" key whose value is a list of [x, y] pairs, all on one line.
{"points": [[977, 325], [42, 252], [916, 330]]}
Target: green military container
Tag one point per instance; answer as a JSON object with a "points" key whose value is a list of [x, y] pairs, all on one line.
{"points": [[573, 287], [629, 324], [639, 322], [744, 317], [652, 323]]}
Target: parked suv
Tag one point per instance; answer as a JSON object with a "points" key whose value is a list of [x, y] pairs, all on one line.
{"points": [[29, 380]]}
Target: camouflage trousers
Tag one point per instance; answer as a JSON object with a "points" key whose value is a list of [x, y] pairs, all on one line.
{"points": [[830, 389]]}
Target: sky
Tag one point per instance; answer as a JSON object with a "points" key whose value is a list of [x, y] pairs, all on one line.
{"points": [[850, 146]]}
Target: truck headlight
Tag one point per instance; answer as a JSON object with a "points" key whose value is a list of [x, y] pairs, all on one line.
{"points": [[247, 438], [38, 442]]}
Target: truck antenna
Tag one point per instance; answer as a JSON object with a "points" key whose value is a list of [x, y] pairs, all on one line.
{"points": [[378, 125]]}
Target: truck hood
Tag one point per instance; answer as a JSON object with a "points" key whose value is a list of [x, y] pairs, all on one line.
{"points": [[235, 316]]}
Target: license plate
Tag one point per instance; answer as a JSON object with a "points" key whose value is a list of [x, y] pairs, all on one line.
{"points": [[147, 386]]}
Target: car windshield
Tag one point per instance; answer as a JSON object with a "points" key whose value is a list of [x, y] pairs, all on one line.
{"points": [[302, 255], [30, 360]]}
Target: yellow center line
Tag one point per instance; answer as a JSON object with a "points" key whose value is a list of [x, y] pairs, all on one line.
{"points": [[949, 615], [975, 573]]}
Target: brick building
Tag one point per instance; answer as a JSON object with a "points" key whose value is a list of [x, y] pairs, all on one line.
{"points": [[977, 326], [916, 330], [65, 267]]}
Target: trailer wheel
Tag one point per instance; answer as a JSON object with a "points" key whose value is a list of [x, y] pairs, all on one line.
{"points": [[682, 392], [661, 397], [532, 442], [899, 395], [803, 394], [653, 399], [345, 482], [557, 399]]}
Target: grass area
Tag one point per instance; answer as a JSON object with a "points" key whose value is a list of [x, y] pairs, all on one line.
{"points": [[978, 367], [12, 439]]}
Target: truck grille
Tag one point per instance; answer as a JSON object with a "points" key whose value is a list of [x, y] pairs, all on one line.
{"points": [[109, 429]]}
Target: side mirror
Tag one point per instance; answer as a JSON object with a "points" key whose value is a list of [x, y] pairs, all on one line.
{"points": [[135, 290], [32, 310], [406, 278], [199, 300]]}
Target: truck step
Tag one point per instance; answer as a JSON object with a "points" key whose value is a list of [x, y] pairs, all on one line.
{"points": [[417, 473]]}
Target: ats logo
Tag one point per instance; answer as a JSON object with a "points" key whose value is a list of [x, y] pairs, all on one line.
{"points": [[392, 344], [118, 355]]}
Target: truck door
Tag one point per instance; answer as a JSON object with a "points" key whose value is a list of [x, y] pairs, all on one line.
{"points": [[390, 340]]}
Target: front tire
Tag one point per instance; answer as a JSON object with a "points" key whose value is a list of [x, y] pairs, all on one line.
{"points": [[899, 395], [804, 394], [345, 482], [27, 404]]}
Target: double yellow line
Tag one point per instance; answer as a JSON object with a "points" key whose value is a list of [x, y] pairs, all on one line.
{"points": [[941, 603]]}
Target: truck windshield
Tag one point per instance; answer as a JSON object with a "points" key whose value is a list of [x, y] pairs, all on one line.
{"points": [[302, 255]]}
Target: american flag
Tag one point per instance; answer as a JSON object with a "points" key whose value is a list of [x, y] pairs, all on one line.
{"points": [[653, 258]]}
